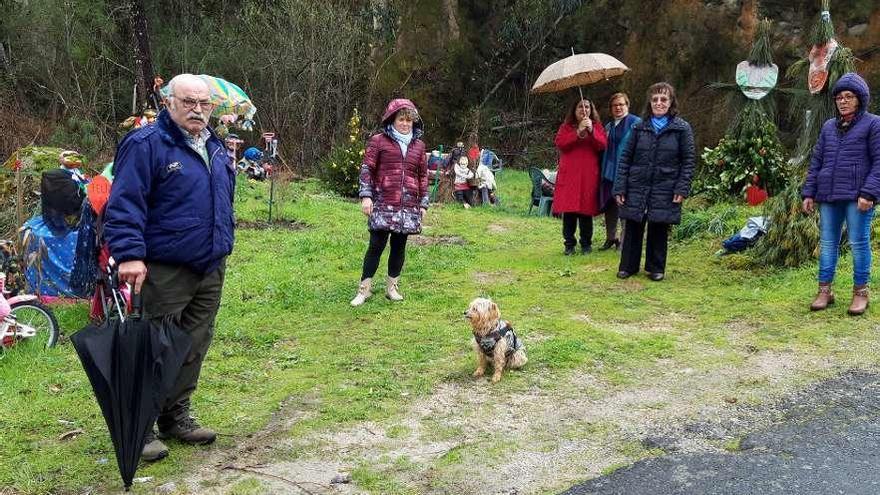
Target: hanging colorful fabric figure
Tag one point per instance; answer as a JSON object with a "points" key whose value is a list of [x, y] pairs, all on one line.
{"points": [[820, 56]]}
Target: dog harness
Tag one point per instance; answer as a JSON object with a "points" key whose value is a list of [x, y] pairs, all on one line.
{"points": [[502, 330]]}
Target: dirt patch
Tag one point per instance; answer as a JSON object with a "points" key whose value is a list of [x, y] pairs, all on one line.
{"points": [[496, 228], [438, 240], [668, 323], [221, 467], [536, 335], [630, 284], [276, 224], [493, 278], [599, 268], [542, 433]]}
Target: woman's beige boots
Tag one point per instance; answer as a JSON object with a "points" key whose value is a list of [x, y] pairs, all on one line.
{"points": [[859, 300], [364, 292], [824, 297], [391, 291]]}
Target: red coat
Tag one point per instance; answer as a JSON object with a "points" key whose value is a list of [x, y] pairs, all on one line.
{"points": [[397, 184], [577, 180]]}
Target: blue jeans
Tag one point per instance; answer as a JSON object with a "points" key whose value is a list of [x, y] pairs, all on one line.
{"points": [[858, 226]]}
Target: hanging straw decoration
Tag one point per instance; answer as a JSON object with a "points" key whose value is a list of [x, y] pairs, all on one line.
{"points": [[824, 29], [761, 53]]}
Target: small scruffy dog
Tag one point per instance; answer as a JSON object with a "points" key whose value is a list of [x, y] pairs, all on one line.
{"points": [[494, 339]]}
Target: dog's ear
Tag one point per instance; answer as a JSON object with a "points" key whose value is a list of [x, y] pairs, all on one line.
{"points": [[493, 309]]}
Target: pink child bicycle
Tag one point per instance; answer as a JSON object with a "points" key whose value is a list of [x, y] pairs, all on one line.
{"points": [[24, 317]]}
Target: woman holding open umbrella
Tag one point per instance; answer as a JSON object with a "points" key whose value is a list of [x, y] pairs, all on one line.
{"points": [[580, 140], [653, 178]]}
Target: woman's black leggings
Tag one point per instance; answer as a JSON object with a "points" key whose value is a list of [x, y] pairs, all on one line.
{"points": [[378, 239]]}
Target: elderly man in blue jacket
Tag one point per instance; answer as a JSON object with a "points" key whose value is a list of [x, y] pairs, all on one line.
{"points": [[169, 225]]}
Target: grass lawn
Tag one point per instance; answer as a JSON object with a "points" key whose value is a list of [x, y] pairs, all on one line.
{"points": [[295, 376]]}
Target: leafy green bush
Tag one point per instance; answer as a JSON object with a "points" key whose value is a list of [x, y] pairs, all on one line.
{"points": [[78, 134], [756, 157], [341, 167], [34, 160]]}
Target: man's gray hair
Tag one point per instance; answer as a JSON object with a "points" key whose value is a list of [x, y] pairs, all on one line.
{"points": [[183, 78]]}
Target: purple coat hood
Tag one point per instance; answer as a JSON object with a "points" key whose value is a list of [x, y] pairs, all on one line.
{"points": [[846, 165], [395, 106]]}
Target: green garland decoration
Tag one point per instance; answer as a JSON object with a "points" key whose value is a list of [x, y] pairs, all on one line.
{"points": [[750, 148], [793, 237]]}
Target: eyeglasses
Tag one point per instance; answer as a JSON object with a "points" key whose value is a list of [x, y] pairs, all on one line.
{"points": [[618, 105], [191, 104], [659, 99], [843, 98]]}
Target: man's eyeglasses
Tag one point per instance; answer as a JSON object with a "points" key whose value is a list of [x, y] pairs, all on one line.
{"points": [[843, 98], [191, 104]]}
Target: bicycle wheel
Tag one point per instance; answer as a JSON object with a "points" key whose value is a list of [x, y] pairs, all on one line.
{"points": [[40, 318]]}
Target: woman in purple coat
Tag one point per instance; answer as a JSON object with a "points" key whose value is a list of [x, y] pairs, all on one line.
{"points": [[393, 192], [844, 179]]}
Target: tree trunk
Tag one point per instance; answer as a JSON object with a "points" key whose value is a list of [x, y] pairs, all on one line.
{"points": [[748, 20], [377, 6], [4, 60], [143, 59], [450, 8], [446, 187]]}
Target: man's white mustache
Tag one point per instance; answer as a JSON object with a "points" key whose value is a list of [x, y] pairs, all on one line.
{"points": [[196, 116]]}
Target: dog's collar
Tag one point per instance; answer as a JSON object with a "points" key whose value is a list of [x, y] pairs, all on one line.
{"points": [[501, 329]]}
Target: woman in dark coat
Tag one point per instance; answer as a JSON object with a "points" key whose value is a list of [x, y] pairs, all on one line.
{"points": [[580, 140], [844, 178], [393, 192], [653, 179]]}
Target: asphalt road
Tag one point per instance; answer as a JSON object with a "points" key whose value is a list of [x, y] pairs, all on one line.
{"points": [[827, 441]]}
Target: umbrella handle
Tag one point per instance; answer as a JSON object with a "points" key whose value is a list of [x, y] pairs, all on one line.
{"points": [[137, 306]]}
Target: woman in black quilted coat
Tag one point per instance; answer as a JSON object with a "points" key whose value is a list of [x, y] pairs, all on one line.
{"points": [[654, 177]]}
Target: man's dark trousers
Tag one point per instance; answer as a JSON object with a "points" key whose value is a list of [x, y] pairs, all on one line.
{"points": [[191, 300]]}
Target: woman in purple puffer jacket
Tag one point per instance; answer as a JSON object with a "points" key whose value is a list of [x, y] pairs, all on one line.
{"points": [[393, 192], [844, 179]]}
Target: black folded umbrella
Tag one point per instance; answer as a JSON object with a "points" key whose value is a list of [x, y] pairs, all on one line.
{"points": [[132, 364]]}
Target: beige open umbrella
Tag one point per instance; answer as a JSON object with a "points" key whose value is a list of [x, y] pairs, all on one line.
{"points": [[582, 69]]}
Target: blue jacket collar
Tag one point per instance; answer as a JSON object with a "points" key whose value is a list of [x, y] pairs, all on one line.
{"points": [[171, 132]]}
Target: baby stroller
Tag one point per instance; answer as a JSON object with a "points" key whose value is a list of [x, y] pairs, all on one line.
{"points": [[94, 271]]}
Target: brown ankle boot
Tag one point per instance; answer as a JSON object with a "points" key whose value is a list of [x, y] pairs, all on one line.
{"points": [[859, 300], [824, 298]]}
